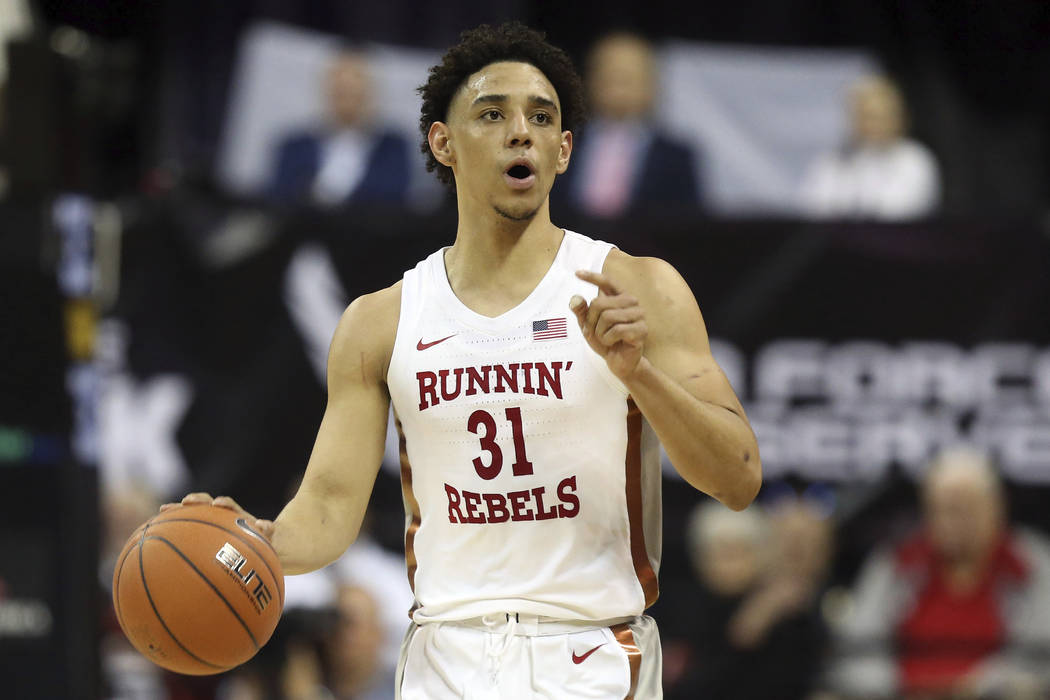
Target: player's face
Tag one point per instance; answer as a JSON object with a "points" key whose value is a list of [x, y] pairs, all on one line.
{"points": [[505, 139]]}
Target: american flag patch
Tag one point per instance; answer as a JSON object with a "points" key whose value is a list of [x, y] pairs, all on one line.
{"points": [[549, 329]]}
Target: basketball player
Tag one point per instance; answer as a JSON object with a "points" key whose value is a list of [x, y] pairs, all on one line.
{"points": [[531, 372]]}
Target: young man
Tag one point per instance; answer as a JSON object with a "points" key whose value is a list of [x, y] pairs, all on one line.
{"points": [[531, 371]]}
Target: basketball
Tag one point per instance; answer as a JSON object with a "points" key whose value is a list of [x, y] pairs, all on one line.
{"points": [[197, 591]]}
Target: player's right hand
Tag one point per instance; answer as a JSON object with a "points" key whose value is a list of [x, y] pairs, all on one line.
{"points": [[263, 527]]}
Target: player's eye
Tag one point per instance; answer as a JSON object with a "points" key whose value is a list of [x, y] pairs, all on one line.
{"points": [[492, 115], [542, 118]]}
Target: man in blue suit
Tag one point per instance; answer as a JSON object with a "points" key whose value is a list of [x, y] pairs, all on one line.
{"points": [[623, 163], [348, 160]]}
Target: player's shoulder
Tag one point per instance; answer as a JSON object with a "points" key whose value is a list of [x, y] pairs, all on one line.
{"points": [[368, 326], [643, 275], [672, 312], [376, 306]]}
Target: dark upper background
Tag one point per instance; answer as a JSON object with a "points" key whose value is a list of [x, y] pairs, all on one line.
{"points": [[974, 74]]}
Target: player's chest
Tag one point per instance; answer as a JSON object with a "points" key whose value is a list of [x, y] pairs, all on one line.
{"points": [[541, 363]]}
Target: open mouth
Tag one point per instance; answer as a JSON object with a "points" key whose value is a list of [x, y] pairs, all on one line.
{"points": [[519, 176], [519, 172]]}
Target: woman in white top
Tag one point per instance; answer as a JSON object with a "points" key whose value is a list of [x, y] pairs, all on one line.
{"points": [[879, 174]]}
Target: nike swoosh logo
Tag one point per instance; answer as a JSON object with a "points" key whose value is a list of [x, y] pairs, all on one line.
{"points": [[581, 659], [423, 346]]}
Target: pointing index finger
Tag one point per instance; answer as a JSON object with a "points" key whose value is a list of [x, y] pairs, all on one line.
{"points": [[603, 283]]}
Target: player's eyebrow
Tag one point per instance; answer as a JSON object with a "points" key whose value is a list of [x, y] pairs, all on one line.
{"points": [[543, 102], [485, 99], [496, 98]]}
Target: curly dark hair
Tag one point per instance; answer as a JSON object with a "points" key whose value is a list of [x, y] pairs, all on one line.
{"points": [[477, 48]]}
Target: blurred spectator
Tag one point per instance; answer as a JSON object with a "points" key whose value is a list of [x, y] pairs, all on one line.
{"points": [[751, 629], [349, 159], [330, 652], [959, 610], [355, 649], [367, 592], [381, 573], [879, 173], [291, 666], [15, 22], [623, 161]]}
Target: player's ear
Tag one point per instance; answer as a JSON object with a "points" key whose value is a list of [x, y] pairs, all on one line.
{"points": [[565, 152], [440, 139]]}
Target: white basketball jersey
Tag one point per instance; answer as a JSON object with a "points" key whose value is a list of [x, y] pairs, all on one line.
{"points": [[531, 482]]}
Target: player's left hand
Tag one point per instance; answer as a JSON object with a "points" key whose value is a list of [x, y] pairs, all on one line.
{"points": [[613, 324]]}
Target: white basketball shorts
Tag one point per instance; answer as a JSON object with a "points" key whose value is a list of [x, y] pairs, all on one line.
{"points": [[520, 657]]}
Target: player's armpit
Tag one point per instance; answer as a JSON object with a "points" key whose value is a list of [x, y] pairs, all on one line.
{"points": [[325, 515]]}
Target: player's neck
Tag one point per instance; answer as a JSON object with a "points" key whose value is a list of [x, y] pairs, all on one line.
{"points": [[496, 262]]}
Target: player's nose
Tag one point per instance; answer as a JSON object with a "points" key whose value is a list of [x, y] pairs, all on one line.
{"points": [[518, 131]]}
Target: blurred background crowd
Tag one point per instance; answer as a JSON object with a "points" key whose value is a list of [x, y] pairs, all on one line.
{"points": [[857, 191]]}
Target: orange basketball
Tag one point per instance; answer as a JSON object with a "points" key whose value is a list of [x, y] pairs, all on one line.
{"points": [[197, 591]]}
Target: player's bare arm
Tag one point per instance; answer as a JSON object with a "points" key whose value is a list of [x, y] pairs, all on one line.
{"points": [[647, 326], [324, 517]]}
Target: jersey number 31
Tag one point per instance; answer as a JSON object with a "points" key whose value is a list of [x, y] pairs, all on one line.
{"points": [[482, 424]]}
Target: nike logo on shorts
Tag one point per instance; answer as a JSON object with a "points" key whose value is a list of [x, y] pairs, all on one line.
{"points": [[423, 346], [581, 659]]}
